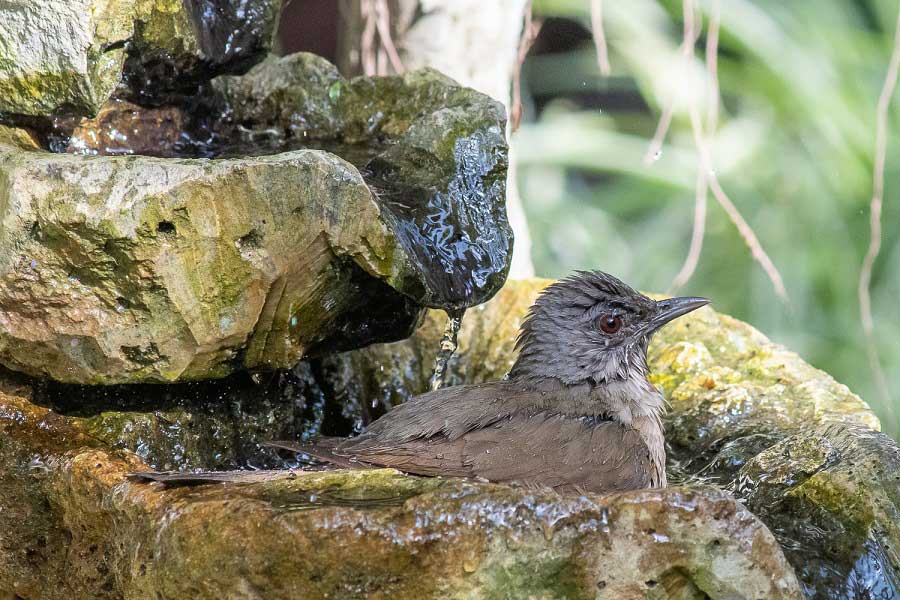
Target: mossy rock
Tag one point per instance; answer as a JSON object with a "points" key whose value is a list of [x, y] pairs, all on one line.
{"points": [[179, 45], [832, 495], [134, 269], [68, 56], [61, 55], [131, 269], [799, 448], [434, 151], [744, 414], [76, 526]]}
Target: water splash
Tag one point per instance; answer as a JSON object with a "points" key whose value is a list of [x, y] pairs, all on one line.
{"points": [[449, 343]]}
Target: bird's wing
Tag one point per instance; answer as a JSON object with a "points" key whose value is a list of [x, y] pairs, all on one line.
{"points": [[321, 450], [542, 448], [449, 412]]}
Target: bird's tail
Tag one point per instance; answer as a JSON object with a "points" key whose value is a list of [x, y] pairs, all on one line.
{"points": [[323, 449]]}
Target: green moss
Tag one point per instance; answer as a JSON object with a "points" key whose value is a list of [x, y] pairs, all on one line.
{"points": [[164, 26], [551, 578], [17, 138], [50, 92]]}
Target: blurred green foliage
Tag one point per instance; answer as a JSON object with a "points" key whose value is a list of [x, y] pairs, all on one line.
{"points": [[794, 150]]}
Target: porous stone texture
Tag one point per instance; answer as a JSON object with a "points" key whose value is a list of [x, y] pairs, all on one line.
{"points": [[67, 56], [74, 526], [61, 55], [133, 269]]}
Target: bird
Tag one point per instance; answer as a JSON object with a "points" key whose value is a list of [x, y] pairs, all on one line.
{"points": [[576, 412]]}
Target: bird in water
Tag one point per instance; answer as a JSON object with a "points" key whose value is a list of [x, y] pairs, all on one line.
{"points": [[577, 411]]}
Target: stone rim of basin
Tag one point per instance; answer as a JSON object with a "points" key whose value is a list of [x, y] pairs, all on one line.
{"points": [[382, 530]]}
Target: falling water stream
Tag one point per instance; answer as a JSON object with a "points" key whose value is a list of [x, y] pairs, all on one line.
{"points": [[449, 342]]}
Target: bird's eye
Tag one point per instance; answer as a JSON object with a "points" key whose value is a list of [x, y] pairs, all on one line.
{"points": [[609, 323]]}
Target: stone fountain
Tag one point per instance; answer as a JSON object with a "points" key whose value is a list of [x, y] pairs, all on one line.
{"points": [[203, 248]]}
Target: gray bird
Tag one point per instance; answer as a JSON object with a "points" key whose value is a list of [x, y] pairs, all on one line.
{"points": [[576, 412]]}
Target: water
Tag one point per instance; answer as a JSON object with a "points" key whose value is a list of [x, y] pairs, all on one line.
{"points": [[232, 35], [454, 228], [203, 426], [449, 343]]}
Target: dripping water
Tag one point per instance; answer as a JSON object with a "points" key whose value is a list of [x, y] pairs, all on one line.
{"points": [[449, 342]]}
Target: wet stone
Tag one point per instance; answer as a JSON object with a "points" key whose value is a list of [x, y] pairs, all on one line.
{"points": [[434, 153], [803, 458], [178, 46], [745, 414], [76, 525], [125, 128], [133, 269], [68, 57], [178, 270], [210, 425], [831, 495]]}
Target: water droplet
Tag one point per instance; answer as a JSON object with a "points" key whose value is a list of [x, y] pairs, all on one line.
{"points": [[449, 343]]}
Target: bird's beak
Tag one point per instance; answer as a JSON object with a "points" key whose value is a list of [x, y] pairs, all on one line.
{"points": [[672, 308]]}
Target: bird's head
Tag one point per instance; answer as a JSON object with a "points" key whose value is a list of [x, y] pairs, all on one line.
{"points": [[592, 328]]}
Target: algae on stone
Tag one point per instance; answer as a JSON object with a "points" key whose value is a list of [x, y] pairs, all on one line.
{"points": [[74, 525], [135, 270], [831, 494], [744, 413], [177, 45], [434, 151], [721, 376], [129, 269], [61, 55], [204, 425], [67, 56], [13, 137]]}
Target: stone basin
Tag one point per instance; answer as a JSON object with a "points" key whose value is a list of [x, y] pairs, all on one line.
{"points": [[748, 420], [131, 269], [74, 525]]}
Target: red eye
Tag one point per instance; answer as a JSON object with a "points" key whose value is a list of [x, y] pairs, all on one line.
{"points": [[609, 323]]}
